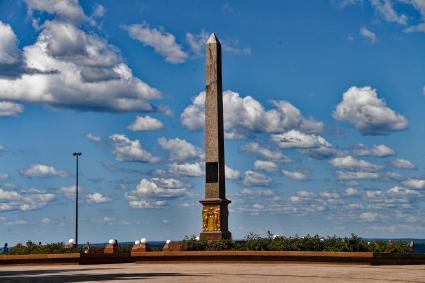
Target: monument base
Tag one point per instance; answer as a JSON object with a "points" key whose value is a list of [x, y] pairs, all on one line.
{"points": [[219, 235], [215, 215]]}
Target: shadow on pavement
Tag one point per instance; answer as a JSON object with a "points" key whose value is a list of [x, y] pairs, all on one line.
{"points": [[42, 271], [29, 276]]}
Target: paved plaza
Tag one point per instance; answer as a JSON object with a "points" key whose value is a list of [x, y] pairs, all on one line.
{"points": [[212, 272]]}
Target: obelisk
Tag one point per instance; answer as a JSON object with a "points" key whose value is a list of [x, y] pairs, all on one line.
{"points": [[215, 213]]}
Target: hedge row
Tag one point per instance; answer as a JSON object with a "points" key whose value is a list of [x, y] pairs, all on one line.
{"points": [[252, 242], [308, 243], [57, 248]]}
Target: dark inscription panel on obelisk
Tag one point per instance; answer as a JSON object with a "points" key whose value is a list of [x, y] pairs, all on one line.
{"points": [[211, 172]]}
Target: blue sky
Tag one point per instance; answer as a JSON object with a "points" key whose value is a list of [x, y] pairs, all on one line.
{"points": [[323, 117]]}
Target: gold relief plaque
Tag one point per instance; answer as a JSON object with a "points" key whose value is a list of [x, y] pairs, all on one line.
{"points": [[211, 218]]}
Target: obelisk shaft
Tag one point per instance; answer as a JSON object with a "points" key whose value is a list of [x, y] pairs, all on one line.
{"points": [[215, 211], [214, 137]]}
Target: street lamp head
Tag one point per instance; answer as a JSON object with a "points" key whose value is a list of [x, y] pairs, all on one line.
{"points": [[76, 154]]}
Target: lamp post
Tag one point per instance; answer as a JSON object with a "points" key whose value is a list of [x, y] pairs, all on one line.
{"points": [[76, 154]]}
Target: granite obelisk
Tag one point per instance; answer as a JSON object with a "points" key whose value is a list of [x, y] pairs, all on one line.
{"points": [[215, 213]]}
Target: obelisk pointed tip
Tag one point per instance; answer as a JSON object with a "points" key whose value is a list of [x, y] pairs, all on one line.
{"points": [[213, 39]]}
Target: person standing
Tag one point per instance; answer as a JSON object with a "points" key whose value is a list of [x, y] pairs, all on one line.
{"points": [[86, 248], [5, 248]]}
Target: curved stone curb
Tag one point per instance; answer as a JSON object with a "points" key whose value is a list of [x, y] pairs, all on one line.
{"points": [[71, 258], [254, 256], [368, 258]]}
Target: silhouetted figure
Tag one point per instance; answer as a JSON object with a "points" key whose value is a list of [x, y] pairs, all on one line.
{"points": [[5, 248], [86, 248]]}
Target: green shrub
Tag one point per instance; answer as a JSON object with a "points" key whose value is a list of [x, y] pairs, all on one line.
{"points": [[254, 242], [390, 247], [58, 248], [124, 249], [191, 244], [31, 248]]}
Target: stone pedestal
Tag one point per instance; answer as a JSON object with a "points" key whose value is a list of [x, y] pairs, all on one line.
{"points": [[111, 249], [214, 219], [211, 236], [140, 248]]}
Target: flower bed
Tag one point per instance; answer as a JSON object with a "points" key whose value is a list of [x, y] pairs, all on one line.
{"points": [[309, 243]]}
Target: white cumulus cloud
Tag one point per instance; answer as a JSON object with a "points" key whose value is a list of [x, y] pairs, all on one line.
{"points": [[402, 164], [380, 150], [245, 115], [356, 175], [93, 137], [369, 216], [25, 201], [386, 10], [66, 9], [265, 165], [10, 108], [415, 183], [46, 221], [9, 52], [231, 174], [164, 43], [297, 139], [68, 67], [9, 195], [180, 149], [97, 198], [399, 191], [197, 42], [42, 170], [295, 175], [368, 113], [351, 191], [349, 162], [187, 169], [368, 34], [145, 123], [253, 178], [69, 191], [126, 149], [257, 149], [151, 193], [99, 11], [416, 28], [141, 204], [257, 193]]}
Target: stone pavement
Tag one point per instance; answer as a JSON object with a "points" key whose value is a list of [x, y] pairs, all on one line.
{"points": [[212, 272]]}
